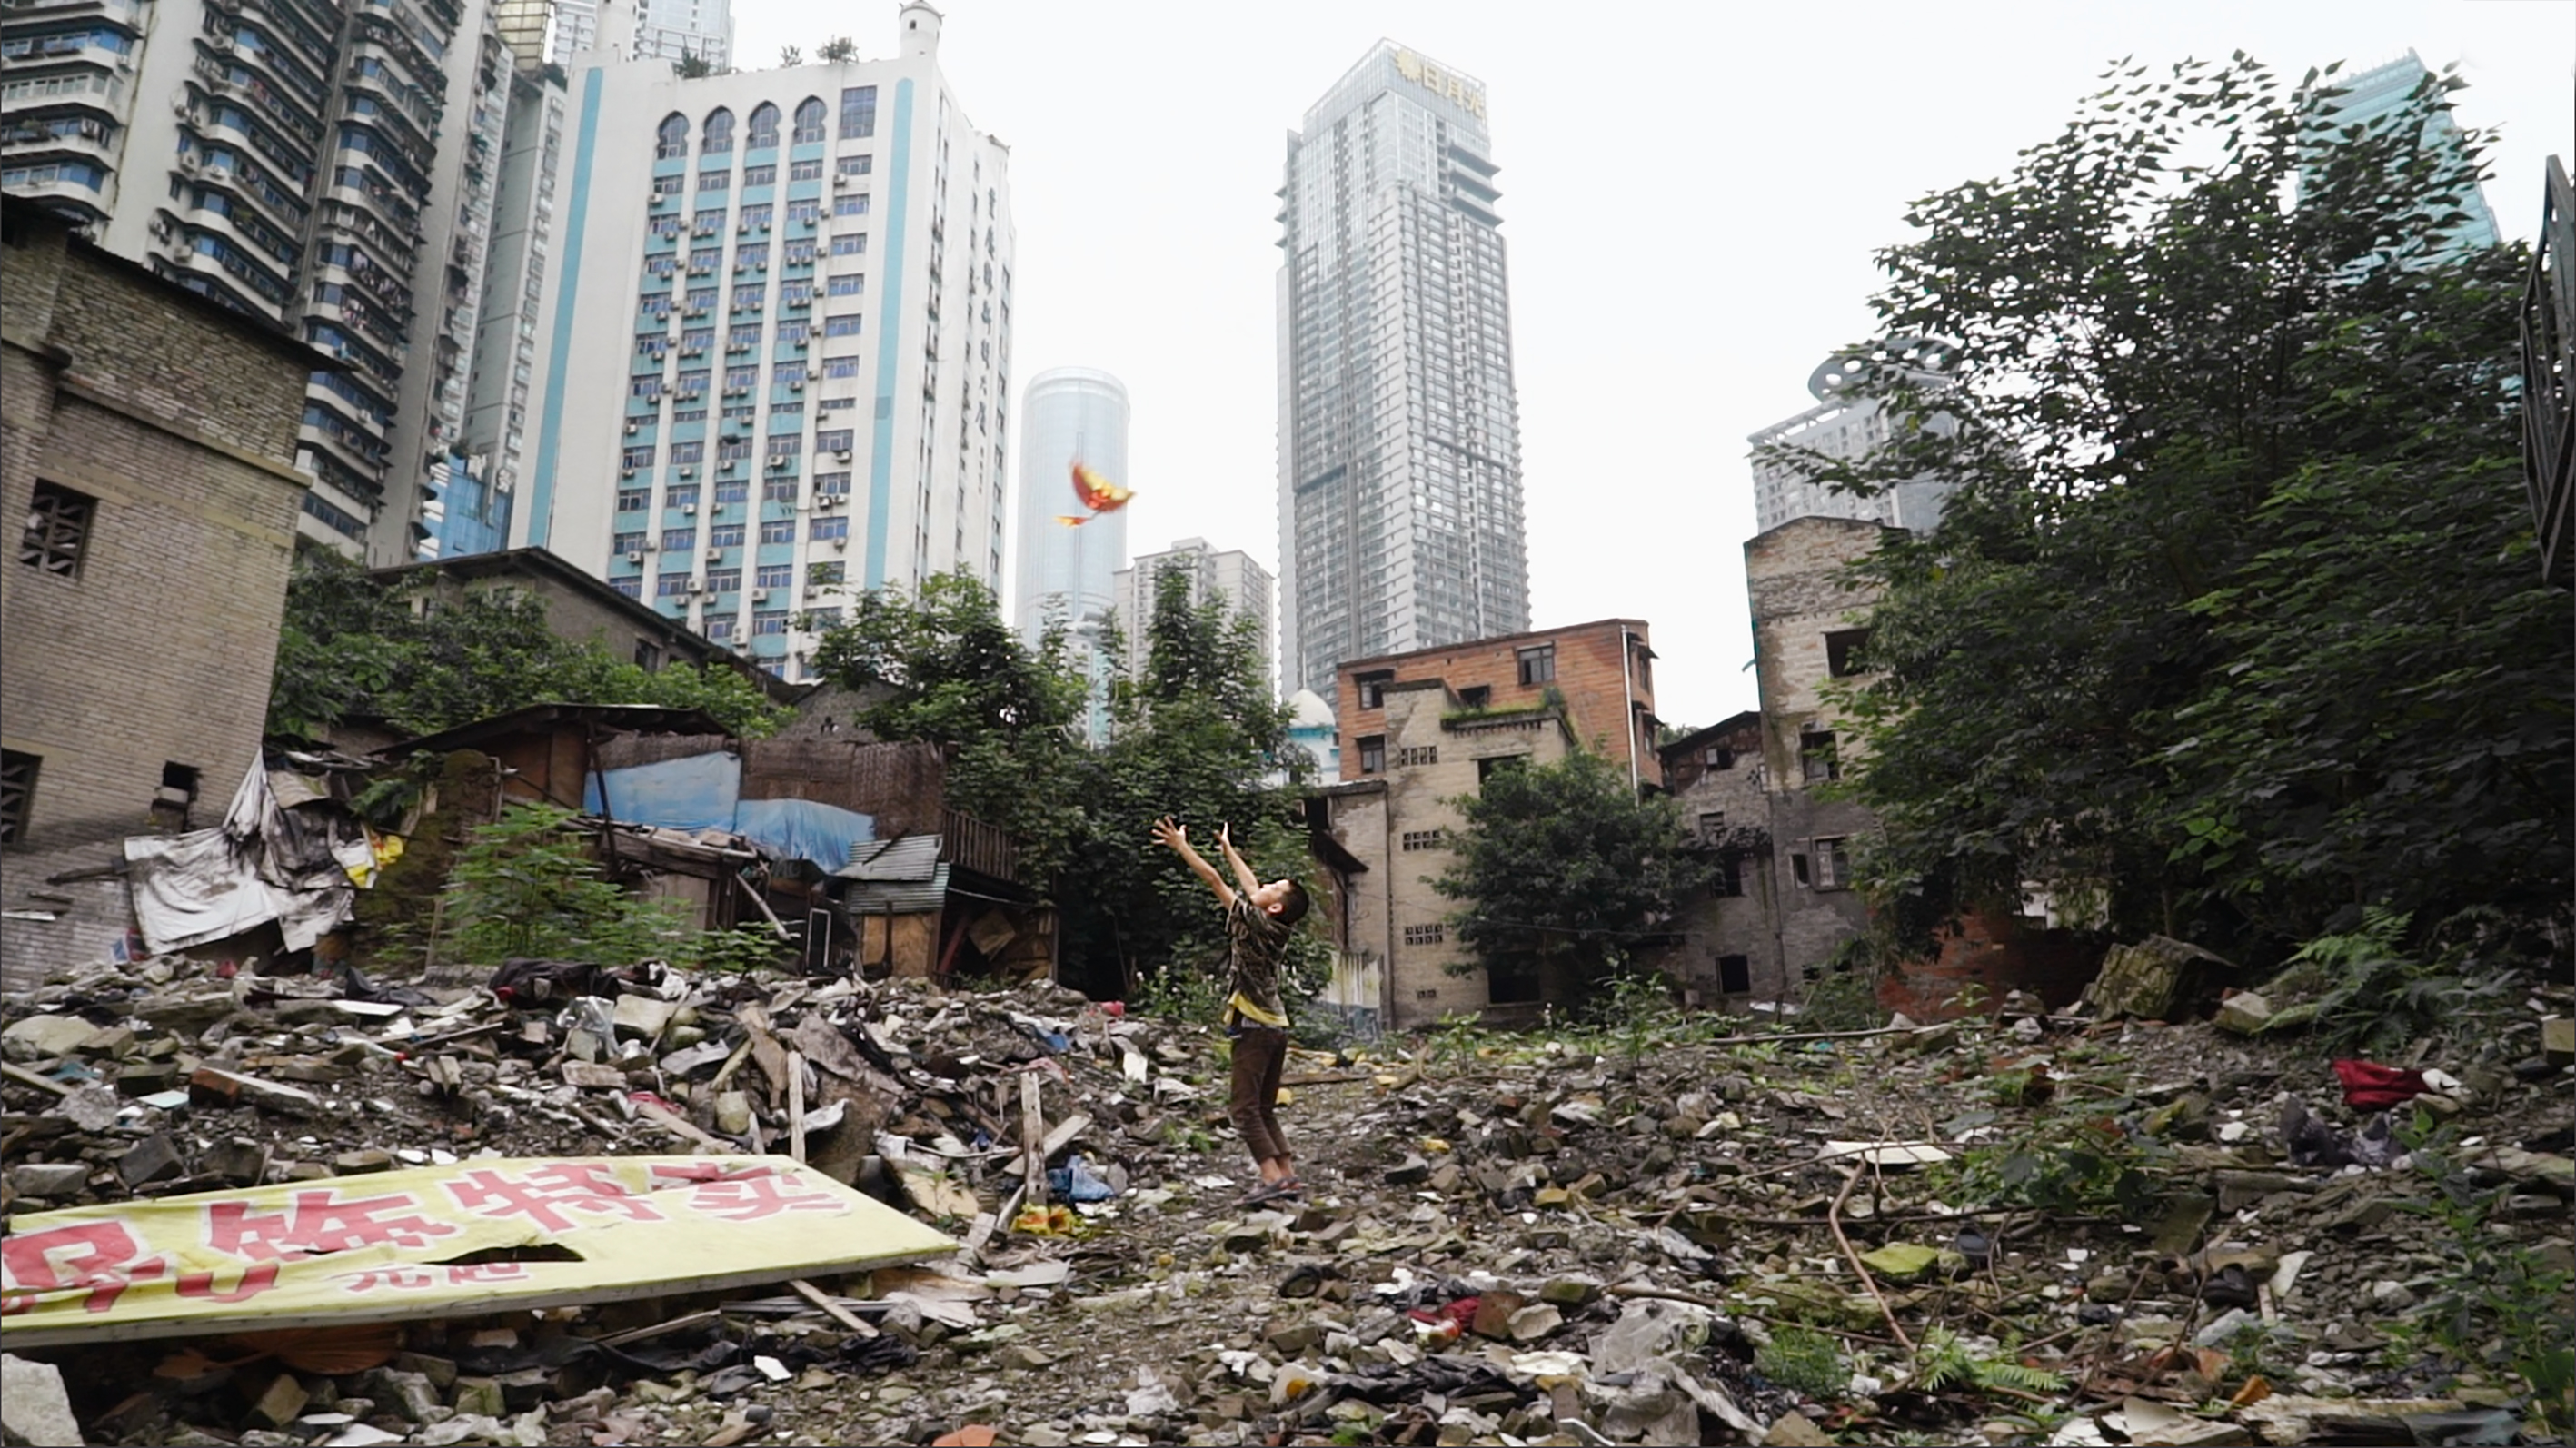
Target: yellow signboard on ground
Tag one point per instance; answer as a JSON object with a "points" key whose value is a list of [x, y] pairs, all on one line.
{"points": [[478, 1236]]}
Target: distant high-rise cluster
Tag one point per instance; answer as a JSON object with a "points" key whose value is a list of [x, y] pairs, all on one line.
{"points": [[1228, 575], [1400, 522]]}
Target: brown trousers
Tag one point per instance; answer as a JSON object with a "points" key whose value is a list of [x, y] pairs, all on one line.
{"points": [[1260, 1058]]}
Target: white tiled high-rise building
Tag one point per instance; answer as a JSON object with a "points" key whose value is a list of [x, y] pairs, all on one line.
{"points": [[1846, 426], [1231, 575], [1400, 515], [663, 30], [330, 168], [775, 364]]}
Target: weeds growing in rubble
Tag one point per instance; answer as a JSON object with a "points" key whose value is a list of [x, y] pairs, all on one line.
{"points": [[1943, 1360], [1808, 1361], [2499, 1304], [2377, 997]]}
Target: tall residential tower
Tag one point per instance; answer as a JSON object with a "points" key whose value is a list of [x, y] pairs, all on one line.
{"points": [[775, 340], [327, 168], [1399, 431]]}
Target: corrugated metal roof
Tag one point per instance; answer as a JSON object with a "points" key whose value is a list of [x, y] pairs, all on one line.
{"points": [[898, 897], [911, 858]]}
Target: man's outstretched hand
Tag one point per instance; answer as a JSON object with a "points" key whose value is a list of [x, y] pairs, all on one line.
{"points": [[1171, 835]]}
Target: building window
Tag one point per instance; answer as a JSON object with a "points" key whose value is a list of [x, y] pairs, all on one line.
{"points": [[634, 500], [769, 620], [719, 133], [841, 324], [674, 585], [17, 794], [57, 536], [1816, 758], [762, 134], [1832, 864], [1425, 934], [648, 654], [724, 580], [840, 366], [1712, 827], [858, 112], [1538, 665], [1425, 839], [673, 142], [1477, 697], [827, 575], [1729, 879], [715, 180], [851, 204], [679, 540], [850, 244], [724, 535], [823, 528], [778, 530], [1373, 754], [831, 485], [851, 284], [632, 587], [855, 165], [810, 169], [720, 630], [1415, 755], [1843, 652], [1734, 974], [1487, 768], [1372, 689], [773, 575], [809, 121], [680, 495], [1717, 756]]}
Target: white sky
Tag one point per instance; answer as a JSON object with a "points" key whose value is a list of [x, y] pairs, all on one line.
{"points": [[1691, 193]]}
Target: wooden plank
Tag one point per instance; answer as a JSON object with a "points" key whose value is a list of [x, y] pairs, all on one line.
{"points": [[1032, 1141], [16, 1072], [1056, 1140], [832, 1307], [796, 1106], [663, 1118]]}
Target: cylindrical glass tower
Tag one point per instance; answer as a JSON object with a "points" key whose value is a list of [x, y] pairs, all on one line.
{"points": [[1070, 415]]}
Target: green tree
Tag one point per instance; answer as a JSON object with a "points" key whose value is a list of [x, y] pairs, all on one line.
{"points": [[692, 66], [1201, 738], [790, 56], [944, 667], [837, 49], [2232, 624], [1562, 869], [351, 644]]}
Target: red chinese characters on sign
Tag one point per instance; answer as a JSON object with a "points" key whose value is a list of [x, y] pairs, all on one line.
{"points": [[415, 1279], [745, 1194], [320, 1221], [544, 1194], [102, 1258]]}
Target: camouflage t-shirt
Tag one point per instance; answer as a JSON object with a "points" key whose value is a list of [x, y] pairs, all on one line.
{"points": [[1258, 943]]}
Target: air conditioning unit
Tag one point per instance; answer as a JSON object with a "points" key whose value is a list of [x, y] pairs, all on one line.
{"points": [[762, 228], [795, 346], [760, 595], [795, 386], [840, 545], [726, 466], [737, 346], [688, 472], [840, 183], [636, 557], [626, 472], [776, 463], [743, 230], [688, 510], [842, 456], [827, 500], [736, 391], [630, 429], [693, 586], [651, 546], [715, 555]]}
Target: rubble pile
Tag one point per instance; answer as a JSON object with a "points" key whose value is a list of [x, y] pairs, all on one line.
{"points": [[2022, 1228]]}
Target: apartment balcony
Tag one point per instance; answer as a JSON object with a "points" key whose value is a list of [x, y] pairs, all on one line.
{"points": [[125, 13], [73, 186], [231, 277], [23, 53], [348, 444], [359, 315], [71, 92], [25, 139]]}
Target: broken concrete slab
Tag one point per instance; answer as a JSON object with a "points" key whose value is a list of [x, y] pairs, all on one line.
{"points": [[2244, 1013], [2155, 979], [34, 1408]]}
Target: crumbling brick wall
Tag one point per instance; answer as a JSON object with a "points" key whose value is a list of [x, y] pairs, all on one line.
{"points": [[179, 421]]}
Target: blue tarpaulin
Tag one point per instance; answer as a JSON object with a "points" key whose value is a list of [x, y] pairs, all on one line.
{"points": [[800, 829], [704, 792], [696, 793]]}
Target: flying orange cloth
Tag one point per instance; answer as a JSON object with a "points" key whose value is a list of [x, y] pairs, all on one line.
{"points": [[1098, 493]]}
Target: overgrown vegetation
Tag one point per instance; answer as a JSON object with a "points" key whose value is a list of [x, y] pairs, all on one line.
{"points": [[1561, 872], [1198, 736], [2374, 997], [353, 646], [2234, 620], [526, 885]]}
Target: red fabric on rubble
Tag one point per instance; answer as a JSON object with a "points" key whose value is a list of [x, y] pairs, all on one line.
{"points": [[2369, 1086]]}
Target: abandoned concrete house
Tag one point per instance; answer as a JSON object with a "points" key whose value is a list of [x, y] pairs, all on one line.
{"points": [[1417, 731], [147, 457]]}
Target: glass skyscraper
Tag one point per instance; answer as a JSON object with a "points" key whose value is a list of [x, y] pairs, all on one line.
{"points": [[1399, 431], [2372, 99]]}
